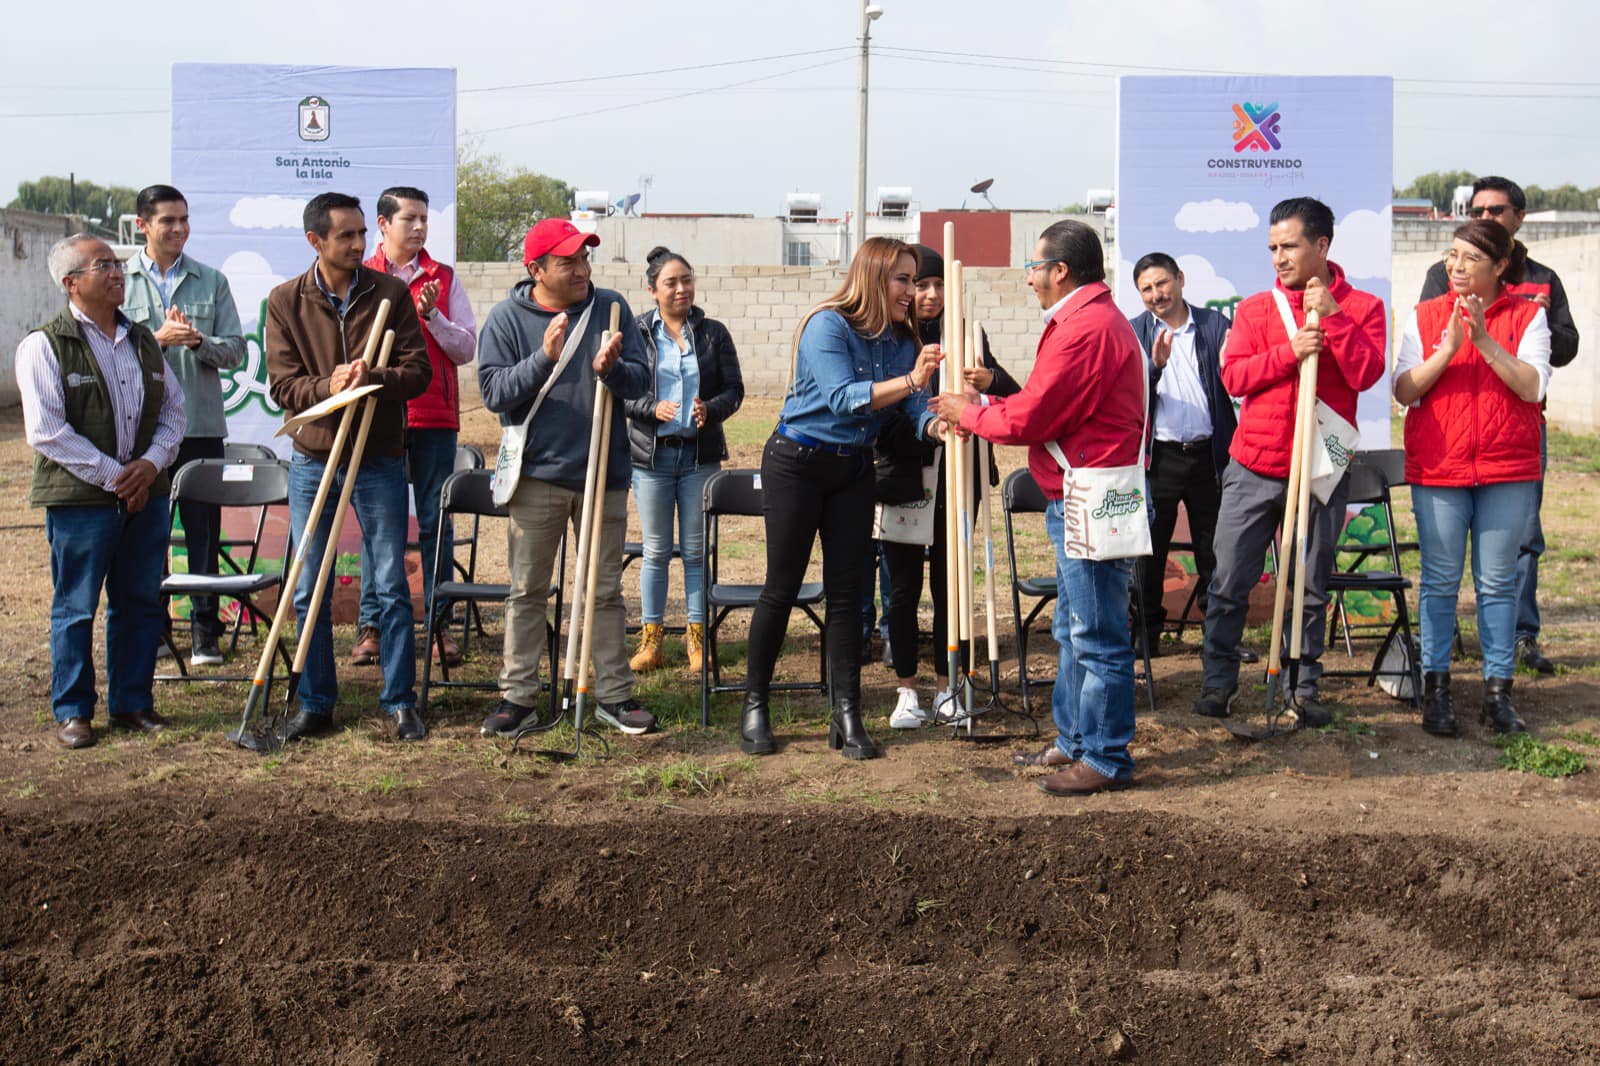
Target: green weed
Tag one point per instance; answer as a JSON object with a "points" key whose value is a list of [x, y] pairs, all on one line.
{"points": [[1527, 755]]}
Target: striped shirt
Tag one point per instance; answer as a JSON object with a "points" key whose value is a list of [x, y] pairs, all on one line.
{"points": [[44, 416]]}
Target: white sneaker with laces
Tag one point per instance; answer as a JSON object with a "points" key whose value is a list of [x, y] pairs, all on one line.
{"points": [[946, 709], [907, 712]]}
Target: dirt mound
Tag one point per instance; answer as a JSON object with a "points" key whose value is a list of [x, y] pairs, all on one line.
{"points": [[170, 933]]}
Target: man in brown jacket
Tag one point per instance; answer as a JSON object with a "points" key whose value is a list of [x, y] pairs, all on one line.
{"points": [[317, 325]]}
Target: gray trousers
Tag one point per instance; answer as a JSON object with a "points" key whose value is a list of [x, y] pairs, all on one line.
{"points": [[1252, 508]]}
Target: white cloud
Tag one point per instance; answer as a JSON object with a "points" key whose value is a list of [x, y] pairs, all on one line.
{"points": [[1201, 281], [442, 232], [250, 277], [268, 212], [1361, 244], [1212, 216]]}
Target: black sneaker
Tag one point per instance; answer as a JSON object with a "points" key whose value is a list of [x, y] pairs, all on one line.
{"points": [[1312, 712], [1216, 702], [627, 716], [1530, 657], [505, 721], [205, 653]]}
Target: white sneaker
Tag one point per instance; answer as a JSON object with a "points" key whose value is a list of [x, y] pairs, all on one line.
{"points": [[908, 712], [945, 708]]}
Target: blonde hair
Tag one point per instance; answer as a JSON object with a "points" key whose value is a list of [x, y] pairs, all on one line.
{"points": [[863, 299]]}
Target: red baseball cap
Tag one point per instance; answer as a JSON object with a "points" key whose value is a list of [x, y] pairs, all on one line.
{"points": [[555, 236]]}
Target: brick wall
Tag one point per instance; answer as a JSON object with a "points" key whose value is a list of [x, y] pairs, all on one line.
{"points": [[1433, 235], [762, 307]]}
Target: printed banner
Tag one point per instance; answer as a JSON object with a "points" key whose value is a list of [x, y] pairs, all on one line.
{"points": [[251, 144]]}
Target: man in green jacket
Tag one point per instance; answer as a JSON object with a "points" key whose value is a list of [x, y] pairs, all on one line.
{"points": [[103, 413], [189, 308]]}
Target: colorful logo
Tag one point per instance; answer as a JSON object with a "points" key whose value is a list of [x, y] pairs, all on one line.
{"points": [[1255, 126], [314, 117]]}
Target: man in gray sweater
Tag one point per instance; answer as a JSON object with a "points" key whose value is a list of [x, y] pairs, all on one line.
{"points": [[519, 351]]}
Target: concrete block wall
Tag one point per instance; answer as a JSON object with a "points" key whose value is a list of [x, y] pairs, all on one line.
{"points": [[27, 295], [1433, 235], [763, 305]]}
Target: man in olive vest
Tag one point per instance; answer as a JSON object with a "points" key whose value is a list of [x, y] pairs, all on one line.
{"points": [[104, 416]]}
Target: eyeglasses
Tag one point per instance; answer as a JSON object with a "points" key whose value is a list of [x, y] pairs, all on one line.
{"points": [[1492, 210], [99, 266], [1028, 267]]}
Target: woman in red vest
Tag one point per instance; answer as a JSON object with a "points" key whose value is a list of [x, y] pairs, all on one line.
{"points": [[1472, 369]]}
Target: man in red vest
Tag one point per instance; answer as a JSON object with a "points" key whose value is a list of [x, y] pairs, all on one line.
{"points": [[434, 418], [1261, 364]]}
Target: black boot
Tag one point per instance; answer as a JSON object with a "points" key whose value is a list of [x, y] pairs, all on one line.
{"points": [[1438, 716], [848, 735], [1498, 713], [755, 725]]}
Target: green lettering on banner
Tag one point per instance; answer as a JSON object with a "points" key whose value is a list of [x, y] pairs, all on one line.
{"points": [[1337, 451], [249, 383]]}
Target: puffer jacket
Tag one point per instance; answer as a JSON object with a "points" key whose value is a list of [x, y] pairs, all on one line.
{"points": [[1470, 428], [1259, 366], [721, 387]]}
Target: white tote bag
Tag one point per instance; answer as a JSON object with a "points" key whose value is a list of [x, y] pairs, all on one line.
{"points": [[909, 523], [508, 463], [1337, 440], [1104, 512]]}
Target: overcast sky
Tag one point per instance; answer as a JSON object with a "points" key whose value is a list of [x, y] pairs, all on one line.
{"points": [[1018, 90]]}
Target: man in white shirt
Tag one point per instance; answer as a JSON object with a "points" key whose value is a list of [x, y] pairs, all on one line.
{"points": [[103, 413], [1193, 419]]}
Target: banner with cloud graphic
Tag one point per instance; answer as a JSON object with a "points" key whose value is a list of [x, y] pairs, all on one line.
{"points": [[251, 144], [1201, 161]]}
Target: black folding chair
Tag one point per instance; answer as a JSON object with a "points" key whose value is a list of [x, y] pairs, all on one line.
{"points": [[256, 484], [1369, 485], [469, 493], [632, 552], [1021, 495], [737, 493]]}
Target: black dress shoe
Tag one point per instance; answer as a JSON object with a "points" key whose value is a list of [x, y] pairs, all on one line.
{"points": [[139, 722], [408, 724], [1528, 654], [755, 725], [308, 724]]}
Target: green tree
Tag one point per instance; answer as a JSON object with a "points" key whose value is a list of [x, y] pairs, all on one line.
{"points": [[59, 196], [496, 203], [1562, 198], [1438, 186]]}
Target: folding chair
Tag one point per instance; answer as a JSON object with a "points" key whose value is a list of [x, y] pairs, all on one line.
{"points": [[1021, 495], [468, 457], [737, 493], [469, 492], [632, 552], [225, 483], [1370, 485]]}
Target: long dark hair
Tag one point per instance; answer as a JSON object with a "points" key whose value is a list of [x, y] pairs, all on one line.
{"points": [[1492, 240]]}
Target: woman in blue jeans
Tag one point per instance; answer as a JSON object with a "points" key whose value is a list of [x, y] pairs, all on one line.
{"points": [[676, 441], [1472, 369], [855, 357]]}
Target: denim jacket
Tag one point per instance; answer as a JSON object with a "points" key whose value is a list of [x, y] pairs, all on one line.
{"points": [[202, 294], [831, 395]]}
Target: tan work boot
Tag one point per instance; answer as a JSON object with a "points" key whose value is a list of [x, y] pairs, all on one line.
{"points": [[649, 656], [694, 642]]}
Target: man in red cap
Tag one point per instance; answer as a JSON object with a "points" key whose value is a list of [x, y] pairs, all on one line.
{"points": [[539, 351]]}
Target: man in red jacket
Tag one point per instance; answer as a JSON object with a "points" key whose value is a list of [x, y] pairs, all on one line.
{"points": [[1085, 395], [434, 418], [1261, 364]]}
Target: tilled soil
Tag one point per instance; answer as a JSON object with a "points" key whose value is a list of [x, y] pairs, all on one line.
{"points": [[227, 933]]}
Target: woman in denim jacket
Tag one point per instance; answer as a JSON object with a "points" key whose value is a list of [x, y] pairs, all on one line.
{"points": [[856, 357]]}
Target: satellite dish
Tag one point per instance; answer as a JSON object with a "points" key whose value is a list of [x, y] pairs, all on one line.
{"points": [[982, 189], [630, 203]]}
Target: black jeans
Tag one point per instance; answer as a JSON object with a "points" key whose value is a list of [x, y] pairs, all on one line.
{"points": [[1190, 477], [905, 594], [202, 536], [806, 492]]}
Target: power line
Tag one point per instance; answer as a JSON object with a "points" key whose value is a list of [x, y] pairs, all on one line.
{"points": [[652, 73]]}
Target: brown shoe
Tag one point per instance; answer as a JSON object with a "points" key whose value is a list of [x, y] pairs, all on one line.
{"points": [[75, 733], [449, 650], [140, 722], [1050, 756], [1080, 780], [650, 655], [365, 652], [694, 645]]}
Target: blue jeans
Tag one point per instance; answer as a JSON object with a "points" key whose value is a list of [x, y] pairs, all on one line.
{"points": [[1528, 555], [91, 547], [379, 501], [1092, 702], [877, 565], [1497, 518], [433, 459], [676, 482]]}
